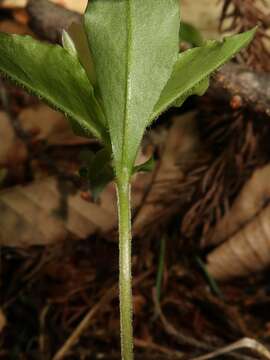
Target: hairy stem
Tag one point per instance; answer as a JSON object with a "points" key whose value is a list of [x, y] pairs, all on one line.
{"points": [[125, 279]]}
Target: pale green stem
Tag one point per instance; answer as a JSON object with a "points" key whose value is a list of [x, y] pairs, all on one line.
{"points": [[125, 279]]}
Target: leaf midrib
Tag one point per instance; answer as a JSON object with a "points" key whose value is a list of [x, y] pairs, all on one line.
{"points": [[127, 87]]}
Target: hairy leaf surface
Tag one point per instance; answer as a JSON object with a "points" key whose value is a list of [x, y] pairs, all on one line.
{"points": [[193, 68], [57, 77], [134, 44]]}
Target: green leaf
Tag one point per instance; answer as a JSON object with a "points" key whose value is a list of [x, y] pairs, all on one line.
{"points": [[75, 41], [134, 44], [97, 170], [69, 44], [199, 90], [193, 68], [51, 73], [147, 166], [189, 34]]}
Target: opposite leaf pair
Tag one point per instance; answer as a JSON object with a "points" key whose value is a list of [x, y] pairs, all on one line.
{"points": [[138, 72]]}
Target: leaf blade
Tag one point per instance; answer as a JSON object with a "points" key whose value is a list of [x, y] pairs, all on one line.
{"points": [[190, 34], [54, 75], [77, 41], [129, 40], [186, 78]]}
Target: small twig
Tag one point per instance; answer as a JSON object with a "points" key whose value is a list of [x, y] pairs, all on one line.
{"points": [[187, 340], [244, 343], [160, 270], [209, 278], [85, 323], [156, 347], [172, 331], [251, 88], [43, 336]]}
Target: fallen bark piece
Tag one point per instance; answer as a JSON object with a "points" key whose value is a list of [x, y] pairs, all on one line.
{"points": [[252, 88]]}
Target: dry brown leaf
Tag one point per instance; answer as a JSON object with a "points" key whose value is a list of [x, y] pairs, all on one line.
{"points": [[13, 3], [12, 150], [41, 214], [181, 143], [7, 137], [203, 14], [75, 5], [24, 222], [246, 252], [30, 215], [41, 120], [46, 212], [254, 195], [245, 232], [49, 125]]}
